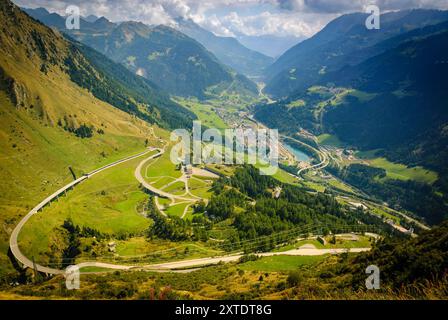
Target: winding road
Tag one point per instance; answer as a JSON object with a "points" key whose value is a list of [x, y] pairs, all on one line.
{"points": [[161, 267], [324, 161], [13, 240], [148, 186]]}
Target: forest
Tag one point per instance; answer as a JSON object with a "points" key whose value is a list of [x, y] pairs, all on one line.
{"points": [[419, 198]]}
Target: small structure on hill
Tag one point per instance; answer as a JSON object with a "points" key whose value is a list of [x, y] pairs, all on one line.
{"points": [[112, 246], [189, 169]]}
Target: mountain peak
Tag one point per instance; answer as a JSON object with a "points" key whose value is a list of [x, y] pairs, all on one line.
{"points": [[92, 18], [102, 20], [103, 23]]}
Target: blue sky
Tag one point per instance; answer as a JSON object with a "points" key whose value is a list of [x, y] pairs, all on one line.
{"points": [[299, 18]]}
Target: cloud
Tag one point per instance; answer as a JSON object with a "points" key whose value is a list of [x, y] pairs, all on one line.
{"points": [[344, 6], [232, 17], [267, 23]]}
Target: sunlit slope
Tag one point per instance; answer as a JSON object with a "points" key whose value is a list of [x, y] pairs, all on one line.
{"points": [[39, 110]]}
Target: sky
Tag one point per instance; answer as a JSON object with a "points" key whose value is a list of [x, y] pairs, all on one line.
{"points": [[298, 18]]}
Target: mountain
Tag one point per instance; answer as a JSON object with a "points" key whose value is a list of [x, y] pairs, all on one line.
{"points": [[406, 105], [344, 41], [397, 105], [65, 106], [227, 49], [54, 20], [50, 19], [91, 18], [105, 79], [403, 262], [393, 103], [270, 45], [177, 63]]}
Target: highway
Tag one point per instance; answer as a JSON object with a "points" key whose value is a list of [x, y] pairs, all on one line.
{"points": [[235, 257], [13, 240], [162, 267], [146, 185], [28, 263], [324, 161]]}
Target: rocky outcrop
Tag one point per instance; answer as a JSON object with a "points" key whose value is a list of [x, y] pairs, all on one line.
{"points": [[16, 91]]}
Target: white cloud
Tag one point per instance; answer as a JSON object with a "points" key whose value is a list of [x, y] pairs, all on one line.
{"points": [[232, 17], [267, 23], [344, 6]]}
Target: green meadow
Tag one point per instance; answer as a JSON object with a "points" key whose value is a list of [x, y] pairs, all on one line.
{"points": [[109, 202], [204, 112], [280, 263], [398, 171]]}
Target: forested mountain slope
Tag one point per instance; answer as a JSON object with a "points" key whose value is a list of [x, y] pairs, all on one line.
{"points": [[395, 103], [50, 123], [175, 62], [344, 41]]}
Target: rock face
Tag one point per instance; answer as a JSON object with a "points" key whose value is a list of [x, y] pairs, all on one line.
{"points": [[19, 95], [16, 91]]}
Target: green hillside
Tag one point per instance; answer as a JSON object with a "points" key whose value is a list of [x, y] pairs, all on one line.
{"points": [[41, 114]]}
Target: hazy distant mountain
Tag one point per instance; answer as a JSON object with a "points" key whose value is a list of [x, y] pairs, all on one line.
{"points": [[91, 18], [270, 45], [91, 23], [175, 62], [227, 49], [343, 41]]}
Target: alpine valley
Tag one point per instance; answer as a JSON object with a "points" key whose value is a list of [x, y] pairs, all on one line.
{"points": [[88, 179]]}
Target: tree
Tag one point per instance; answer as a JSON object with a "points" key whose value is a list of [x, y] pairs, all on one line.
{"points": [[294, 278]]}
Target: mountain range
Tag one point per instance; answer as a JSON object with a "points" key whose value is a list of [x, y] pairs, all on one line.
{"points": [[344, 41], [227, 49], [394, 101], [177, 63], [75, 101]]}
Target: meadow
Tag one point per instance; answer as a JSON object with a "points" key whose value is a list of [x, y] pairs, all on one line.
{"points": [[205, 113], [108, 202], [280, 263]]}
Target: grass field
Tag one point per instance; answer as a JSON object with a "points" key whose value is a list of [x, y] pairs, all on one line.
{"points": [[285, 177], [164, 201], [177, 209], [161, 167], [341, 242], [385, 214], [280, 263], [108, 202], [315, 186], [177, 188], [204, 112], [222, 169], [402, 172], [36, 155], [162, 173], [200, 187], [158, 250]]}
